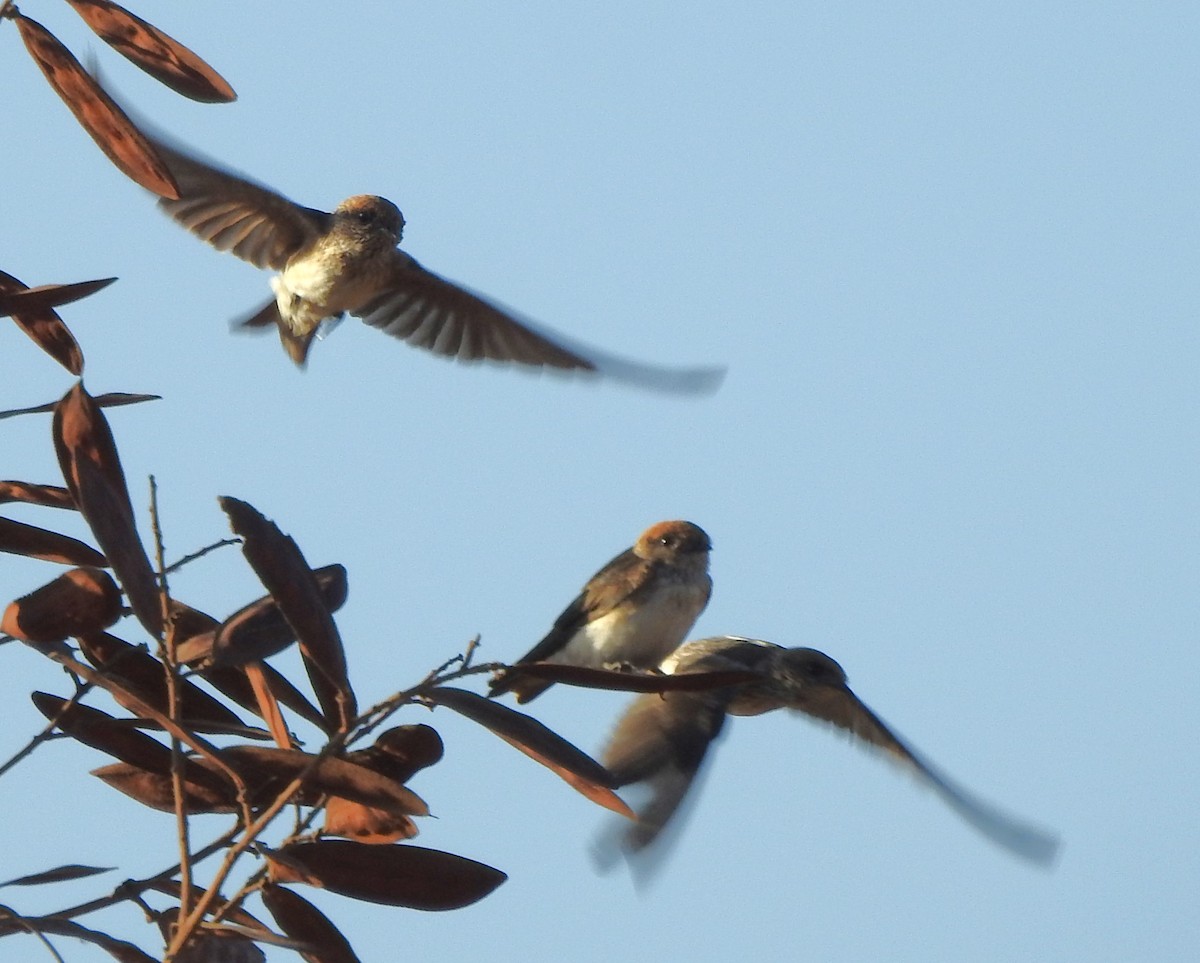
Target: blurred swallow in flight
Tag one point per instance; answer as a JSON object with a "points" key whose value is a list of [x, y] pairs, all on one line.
{"points": [[632, 613], [661, 741], [348, 261]]}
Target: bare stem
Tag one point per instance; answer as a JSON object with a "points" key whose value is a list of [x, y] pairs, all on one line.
{"points": [[166, 655]]}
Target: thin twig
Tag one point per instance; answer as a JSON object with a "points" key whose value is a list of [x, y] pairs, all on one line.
{"points": [[26, 925], [189, 738], [47, 733], [166, 655], [200, 553]]}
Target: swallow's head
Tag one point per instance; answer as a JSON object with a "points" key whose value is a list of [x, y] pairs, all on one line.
{"points": [[805, 669], [368, 214], [670, 540]]}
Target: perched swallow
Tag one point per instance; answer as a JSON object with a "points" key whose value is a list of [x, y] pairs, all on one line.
{"points": [[632, 613], [348, 261], [662, 740]]}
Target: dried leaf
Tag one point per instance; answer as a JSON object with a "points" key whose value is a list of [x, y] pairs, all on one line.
{"points": [[401, 751], [91, 468], [229, 912], [163, 58], [270, 770], [101, 731], [210, 943], [118, 949], [575, 767], [234, 683], [154, 789], [258, 630], [636, 681], [113, 399], [299, 919], [144, 676], [58, 875], [365, 824], [424, 879], [18, 538], [17, 298], [281, 567], [79, 601], [32, 310], [104, 121], [48, 496], [268, 705]]}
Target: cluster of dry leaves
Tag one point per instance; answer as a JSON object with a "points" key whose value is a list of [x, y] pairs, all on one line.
{"points": [[186, 747]]}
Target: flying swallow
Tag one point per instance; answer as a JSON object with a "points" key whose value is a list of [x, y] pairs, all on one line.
{"points": [[662, 740], [348, 262], [632, 613]]}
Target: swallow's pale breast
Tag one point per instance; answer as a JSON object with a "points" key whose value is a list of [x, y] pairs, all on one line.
{"points": [[348, 262], [632, 612]]}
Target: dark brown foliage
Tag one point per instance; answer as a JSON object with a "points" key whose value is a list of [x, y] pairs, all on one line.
{"points": [[163, 58], [91, 468], [575, 767], [21, 539], [48, 496], [299, 919], [281, 567], [33, 311], [79, 601], [104, 121], [424, 879]]}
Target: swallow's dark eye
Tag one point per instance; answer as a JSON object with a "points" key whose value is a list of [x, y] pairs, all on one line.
{"points": [[364, 217]]}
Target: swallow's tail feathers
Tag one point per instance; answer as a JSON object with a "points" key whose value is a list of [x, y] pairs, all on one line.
{"points": [[296, 345], [267, 315], [525, 688]]}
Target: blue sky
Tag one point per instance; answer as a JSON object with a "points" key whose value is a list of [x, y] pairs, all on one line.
{"points": [[948, 253]]}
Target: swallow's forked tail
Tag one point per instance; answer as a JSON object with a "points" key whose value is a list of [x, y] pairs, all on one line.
{"points": [[296, 345]]}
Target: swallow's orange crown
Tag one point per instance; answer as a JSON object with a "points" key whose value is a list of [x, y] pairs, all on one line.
{"points": [[370, 211], [676, 537]]}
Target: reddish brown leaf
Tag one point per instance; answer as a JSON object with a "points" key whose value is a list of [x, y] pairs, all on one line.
{"points": [[21, 539], [118, 738], [48, 496], [17, 298], [281, 567], [210, 943], [575, 767], [424, 879], [118, 949], [400, 752], [32, 311], [91, 468], [79, 601], [229, 912], [299, 919], [190, 624], [365, 824], [163, 58], [257, 630], [260, 765], [144, 676], [101, 731], [154, 789], [58, 875], [113, 399], [104, 121], [234, 683], [268, 705], [635, 681]]}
